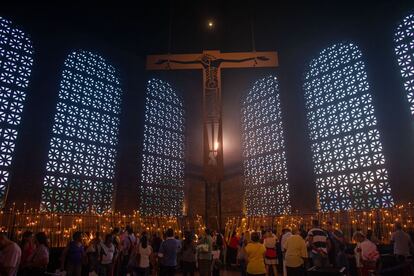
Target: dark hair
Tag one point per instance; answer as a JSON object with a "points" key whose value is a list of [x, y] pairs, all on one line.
{"points": [[169, 233], [208, 231], [115, 230], [233, 234], [97, 235], [286, 230], [25, 235], [315, 223], [109, 237], [129, 229], [255, 237], [77, 235], [41, 238], [144, 241], [398, 225], [188, 240]]}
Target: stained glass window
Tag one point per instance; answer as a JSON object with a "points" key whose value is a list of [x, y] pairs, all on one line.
{"points": [[81, 159], [16, 60], [264, 158], [404, 49], [161, 191], [348, 157]]}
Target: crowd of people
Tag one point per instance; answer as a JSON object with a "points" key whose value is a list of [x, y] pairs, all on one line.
{"points": [[262, 253]]}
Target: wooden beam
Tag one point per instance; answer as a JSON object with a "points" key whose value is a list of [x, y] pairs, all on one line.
{"points": [[227, 60]]}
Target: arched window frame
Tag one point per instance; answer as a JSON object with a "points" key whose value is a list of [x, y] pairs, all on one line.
{"points": [[264, 157], [81, 160], [349, 163], [404, 51], [16, 61], [161, 189]]}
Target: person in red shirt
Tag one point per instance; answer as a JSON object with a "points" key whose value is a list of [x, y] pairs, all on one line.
{"points": [[232, 249], [27, 246]]}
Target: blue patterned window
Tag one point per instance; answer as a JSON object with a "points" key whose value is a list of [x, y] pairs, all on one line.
{"points": [[81, 160], [347, 151], [404, 49], [16, 60], [161, 191], [264, 158]]}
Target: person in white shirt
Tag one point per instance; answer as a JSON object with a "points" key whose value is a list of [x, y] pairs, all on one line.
{"points": [[286, 233], [269, 243], [106, 252], [144, 252], [402, 243]]}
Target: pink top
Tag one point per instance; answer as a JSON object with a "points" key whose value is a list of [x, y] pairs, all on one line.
{"points": [[10, 258], [369, 251]]}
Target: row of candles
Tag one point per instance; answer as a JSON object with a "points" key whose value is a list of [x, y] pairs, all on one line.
{"points": [[60, 227], [380, 221]]}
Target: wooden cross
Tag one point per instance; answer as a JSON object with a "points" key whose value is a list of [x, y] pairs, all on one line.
{"points": [[211, 63]]}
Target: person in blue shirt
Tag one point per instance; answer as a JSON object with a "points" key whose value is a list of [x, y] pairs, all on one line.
{"points": [[168, 254]]}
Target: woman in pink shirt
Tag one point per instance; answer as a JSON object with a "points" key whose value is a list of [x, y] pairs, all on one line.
{"points": [[366, 253]]}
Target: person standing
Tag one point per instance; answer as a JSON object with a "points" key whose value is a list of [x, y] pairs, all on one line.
{"points": [[155, 244], [219, 242], [144, 252], [73, 255], [117, 244], [295, 255], [204, 250], [366, 253], [128, 243], [27, 247], [337, 255], [10, 256], [242, 258], [216, 263], [107, 256], [255, 252], [92, 253], [168, 254], [39, 260], [269, 242], [286, 233], [188, 255], [232, 249], [402, 243], [318, 243]]}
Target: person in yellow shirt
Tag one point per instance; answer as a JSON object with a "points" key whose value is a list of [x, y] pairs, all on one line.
{"points": [[255, 252], [295, 255]]}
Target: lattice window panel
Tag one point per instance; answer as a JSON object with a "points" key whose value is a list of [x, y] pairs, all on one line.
{"points": [[16, 60], [264, 158], [348, 157], [81, 159], [161, 191], [404, 50]]}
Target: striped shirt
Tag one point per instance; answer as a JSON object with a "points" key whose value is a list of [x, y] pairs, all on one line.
{"points": [[319, 240]]}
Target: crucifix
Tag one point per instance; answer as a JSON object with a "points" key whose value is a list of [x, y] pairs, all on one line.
{"points": [[211, 63]]}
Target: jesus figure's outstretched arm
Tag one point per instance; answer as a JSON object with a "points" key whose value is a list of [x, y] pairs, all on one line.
{"points": [[162, 61], [244, 59]]}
